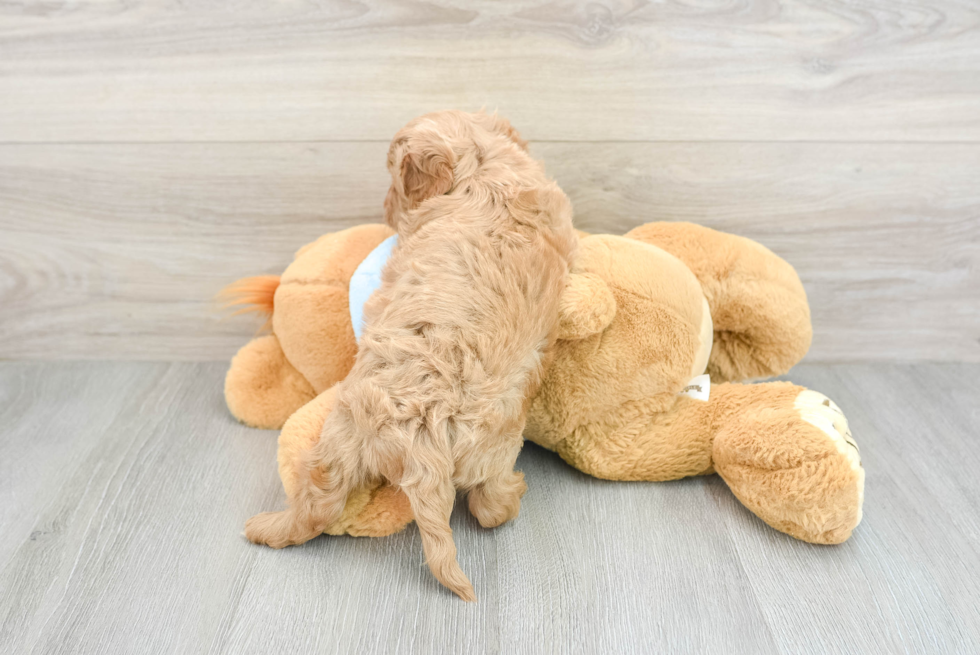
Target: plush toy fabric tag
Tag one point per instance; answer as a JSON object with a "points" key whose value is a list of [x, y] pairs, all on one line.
{"points": [[365, 280], [699, 388]]}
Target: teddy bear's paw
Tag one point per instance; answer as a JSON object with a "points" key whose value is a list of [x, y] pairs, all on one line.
{"points": [[820, 411]]}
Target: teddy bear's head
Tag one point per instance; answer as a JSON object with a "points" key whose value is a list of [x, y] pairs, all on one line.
{"points": [[635, 327]]}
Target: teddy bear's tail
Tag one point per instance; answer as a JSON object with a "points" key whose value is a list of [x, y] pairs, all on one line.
{"points": [[251, 294]]}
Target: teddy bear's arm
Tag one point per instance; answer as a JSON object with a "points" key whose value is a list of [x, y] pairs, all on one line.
{"points": [[758, 305]]}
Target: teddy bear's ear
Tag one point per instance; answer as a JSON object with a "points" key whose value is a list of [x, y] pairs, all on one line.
{"points": [[587, 306]]}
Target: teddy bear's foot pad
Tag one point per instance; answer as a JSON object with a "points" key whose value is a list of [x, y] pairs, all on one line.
{"points": [[820, 411]]}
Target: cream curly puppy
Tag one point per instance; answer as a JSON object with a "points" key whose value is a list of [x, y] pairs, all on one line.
{"points": [[455, 339]]}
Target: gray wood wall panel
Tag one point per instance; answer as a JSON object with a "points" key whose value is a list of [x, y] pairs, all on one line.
{"points": [[116, 250], [152, 151], [157, 70], [125, 487]]}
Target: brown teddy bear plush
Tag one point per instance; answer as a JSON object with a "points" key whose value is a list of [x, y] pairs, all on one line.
{"points": [[655, 327]]}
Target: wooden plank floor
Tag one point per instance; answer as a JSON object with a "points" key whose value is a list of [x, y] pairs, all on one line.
{"points": [[124, 487]]}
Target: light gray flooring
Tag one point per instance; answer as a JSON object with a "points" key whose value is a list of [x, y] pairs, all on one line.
{"points": [[124, 487]]}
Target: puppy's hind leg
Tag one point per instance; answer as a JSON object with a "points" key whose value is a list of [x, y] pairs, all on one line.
{"points": [[431, 498], [497, 500], [278, 529], [495, 488], [319, 502]]}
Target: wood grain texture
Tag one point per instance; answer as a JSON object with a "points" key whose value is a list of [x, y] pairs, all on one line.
{"points": [[125, 487], [115, 251], [908, 581], [159, 70]]}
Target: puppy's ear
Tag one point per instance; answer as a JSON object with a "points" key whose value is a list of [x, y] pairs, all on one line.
{"points": [[587, 306], [427, 169]]}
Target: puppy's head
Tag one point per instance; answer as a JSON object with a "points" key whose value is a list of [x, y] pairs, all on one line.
{"points": [[499, 126], [429, 155]]}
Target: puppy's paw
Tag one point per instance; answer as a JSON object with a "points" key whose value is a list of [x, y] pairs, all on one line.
{"points": [[271, 529], [497, 503]]}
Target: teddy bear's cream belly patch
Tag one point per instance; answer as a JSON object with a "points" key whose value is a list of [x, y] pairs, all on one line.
{"points": [[706, 336]]}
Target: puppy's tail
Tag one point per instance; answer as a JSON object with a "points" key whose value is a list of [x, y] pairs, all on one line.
{"points": [[251, 294], [431, 495]]}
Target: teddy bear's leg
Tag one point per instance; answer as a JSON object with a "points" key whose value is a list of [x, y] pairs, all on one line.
{"points": [[373, 512], [664, 438], [758, 305], [262, 389], [787, 453]]}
